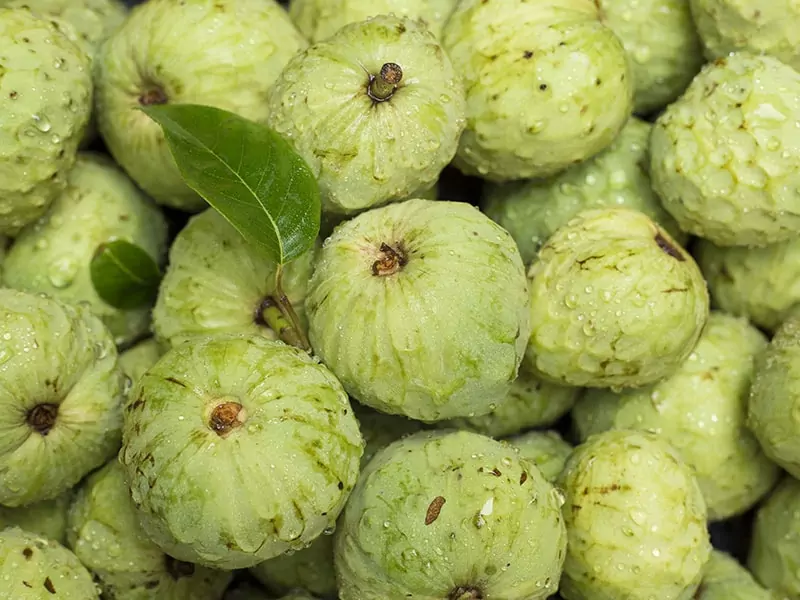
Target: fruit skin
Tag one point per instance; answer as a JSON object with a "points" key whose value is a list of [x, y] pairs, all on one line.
{"points": [[437, 512], [47, 518], [636, 520], [438, 335], [725, 579], [186, 52], [702, 411], [54, 255], [215, 283], [759, 27], [32, 568], [320, 19], [545, 449], [724, 157], [533, 210], [663, 47], [366, 153], [775, 396], [135, 361], [105, 535], [615, 302], [247, 591], [40, 131], [192, 503], [547, 84], [60, 406]]}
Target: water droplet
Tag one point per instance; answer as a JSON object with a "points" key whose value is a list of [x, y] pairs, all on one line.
{"points": [[41, 123], [62, 272]]}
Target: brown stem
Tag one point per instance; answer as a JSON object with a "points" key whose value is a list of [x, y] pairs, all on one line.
{"points": [[297, 337], [383, 86]]}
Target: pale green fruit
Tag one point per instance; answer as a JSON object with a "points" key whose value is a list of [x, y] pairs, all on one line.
{"points": [[636, 521], [137, 360], [548, 85], [771, 27], [376, 111], [545, 449], [216, 282], [4, 243], [47, 518], [701, 410], [221, 53], [725, 579], [775, 397], [664, 50], [35, 568], [762, 284], [533, 210], [105, 535], [441, 515], [725, 157], [615, 302], [320, 19], [60, 401], [54, 255], [420, 309], [238, 449], [46, 99]]}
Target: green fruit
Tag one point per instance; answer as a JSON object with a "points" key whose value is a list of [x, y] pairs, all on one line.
{"points": [[545, 449], [60, 404], [724, 157], [217, 282], [54, 255], [725, 579], [420, 309], [137, 360], [615, 302], [636, 521], [246, 592], [197, 427], [450, 515], [47, 518], [105, 535], [35, 568], [45, 99], [533, 210], [221, 53], [701, 411], [548, 85], [376, 111]]}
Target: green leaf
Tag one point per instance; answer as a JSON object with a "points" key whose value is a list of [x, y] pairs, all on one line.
{"points": [[124, 275], [246, 171]]}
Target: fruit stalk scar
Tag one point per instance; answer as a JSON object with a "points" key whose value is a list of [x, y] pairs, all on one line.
{"points": [[391, 260], [227, 416], [383, 86], [465, 593], [42, 417]]}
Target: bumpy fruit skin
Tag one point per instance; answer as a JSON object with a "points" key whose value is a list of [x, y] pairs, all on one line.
{"points": [[197, 427], [548, 85], [32, 568], [448, 514], [771, 28], [320, 19], [47, 518], [762, 284], [615, 302], [701, 410], [545, 449], [221, 53], [775, 549], [105, 535], [46, 99], [420, 309], [775, 396], [366, 152], [54, 255], [636, 521], [533, 210], [137, 360], [725, 579], [218, 283], [725, 158], [663, 47], [60, 404]]}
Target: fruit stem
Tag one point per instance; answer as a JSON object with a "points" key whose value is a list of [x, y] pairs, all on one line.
{"points": [[293, 334], [272, 316], [383, 86]]}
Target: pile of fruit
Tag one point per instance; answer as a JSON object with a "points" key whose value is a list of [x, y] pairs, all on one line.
{"points": [[399, 299]]}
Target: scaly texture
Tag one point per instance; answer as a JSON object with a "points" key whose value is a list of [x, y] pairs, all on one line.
{"points": [[547, 84], [238, 449], [420, 308], [46, 100], [60, 402], [636, 521], [137, 360], [701, 410], [725, 579], [450, 515], [533, 210], [366, 152], [54, 255], [221, 53], [47, 518], [545, 449], [615, 302], [725, 157]]}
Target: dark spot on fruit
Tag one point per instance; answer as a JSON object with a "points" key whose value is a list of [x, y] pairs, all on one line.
{"points": [[27, 585], [496, 472], [13, 95], [27, 40], [226, 417], [527, 54], [138, 404], [674, 290], [341, 485], [434, 508], [175, 381], [400, 28], [668, 247], [523, 478], [42, 417], [543, 86], [465, 592], [48, 585], [598, 82], [152, 96], [27, 553]]}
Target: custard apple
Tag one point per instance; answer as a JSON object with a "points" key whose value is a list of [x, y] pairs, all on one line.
{"points": [[545, 449]]}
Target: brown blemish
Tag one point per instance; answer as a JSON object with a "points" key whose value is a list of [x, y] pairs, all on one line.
{"points": [[392, 260], [176, 381], [152, 96], [434, 508], [496, 472], [42, 417], [226, 417], [527, 54], [523, 478], [465, 592], [668, 247], [27, 553], [48, 585]]}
